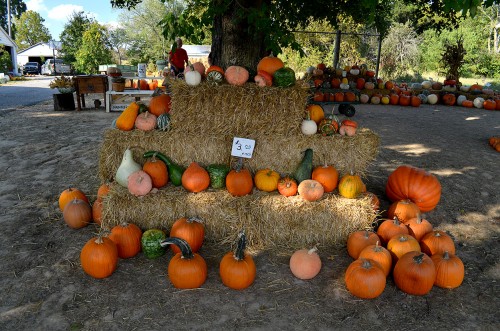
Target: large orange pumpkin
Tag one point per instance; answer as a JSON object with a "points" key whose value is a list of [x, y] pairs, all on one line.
{"points": [[327, 175], [418, 185], [159, 103], [414, 273], [270, 64]]}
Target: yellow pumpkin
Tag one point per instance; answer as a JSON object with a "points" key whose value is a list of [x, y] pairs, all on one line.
{"points": [[267, 180], [316, 113], [350, 186]]}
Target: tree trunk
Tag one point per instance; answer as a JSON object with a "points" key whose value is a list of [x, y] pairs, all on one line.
{"points": [[232, 43]]}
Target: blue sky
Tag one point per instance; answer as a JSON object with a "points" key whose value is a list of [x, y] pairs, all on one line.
{"points": [[56, 13]]}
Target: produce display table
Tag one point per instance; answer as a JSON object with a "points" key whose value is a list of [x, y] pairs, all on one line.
{"points": [[118, 101]]}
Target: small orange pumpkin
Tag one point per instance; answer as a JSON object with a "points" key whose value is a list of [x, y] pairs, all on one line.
{"points": [[157, 170], [305, 263], [237, 270], [378, 254], [437, 242], [97, 211], [77, 214], [287, 186], [489, 104], [236, 75], [195, 178], [316, 113], [239, 181], [359, 240], [390, 228], [191, 229], [127, 237], [401, 244], [403, 209], [99, 257], [160, 103], [450, 270], [70, 194], [419, 227], [365, 279]]}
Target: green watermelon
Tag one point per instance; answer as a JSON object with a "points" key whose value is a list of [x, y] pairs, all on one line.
{"points": [[284, 77], [150, 242]]}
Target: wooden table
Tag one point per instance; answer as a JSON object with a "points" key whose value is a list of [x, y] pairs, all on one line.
{"points": [[90, 84]]}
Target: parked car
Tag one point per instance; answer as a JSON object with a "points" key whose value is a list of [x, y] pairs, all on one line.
{"points": [[31, 68], [55, 66]]}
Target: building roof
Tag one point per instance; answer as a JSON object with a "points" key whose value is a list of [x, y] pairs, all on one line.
{"points": [[40, 49], [5, 39], [197, 50]]}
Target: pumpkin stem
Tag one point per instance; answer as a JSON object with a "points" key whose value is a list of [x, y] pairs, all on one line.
{"points": [[186, 251], [396, 220], [312, 250], [419, 258], [239, 253], [377, 247], [239, 164], [446, 255], [366, 264]]}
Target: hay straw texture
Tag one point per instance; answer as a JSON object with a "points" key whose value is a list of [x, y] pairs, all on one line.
{"points": [[237, 110], [278, 152], [270, 220]]}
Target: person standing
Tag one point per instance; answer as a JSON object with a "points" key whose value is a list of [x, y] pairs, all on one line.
{"points": [[178, 57]]}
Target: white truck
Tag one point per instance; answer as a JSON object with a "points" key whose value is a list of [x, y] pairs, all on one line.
{"points": [[55, 67]]}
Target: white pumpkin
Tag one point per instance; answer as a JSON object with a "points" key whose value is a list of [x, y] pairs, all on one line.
{"points": [[426, 84], [193, 78], [460, 99], [354, 72], [465, 88], [450, 88], [308, 127], [432, 99], [344, 86], [478, 102], [364, 98]]}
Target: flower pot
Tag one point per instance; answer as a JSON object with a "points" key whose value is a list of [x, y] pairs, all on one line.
{"points": [[118, 87]]}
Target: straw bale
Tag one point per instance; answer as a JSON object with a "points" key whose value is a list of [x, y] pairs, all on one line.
{"points": [[236, 110], [281, 153], [270, 220]]}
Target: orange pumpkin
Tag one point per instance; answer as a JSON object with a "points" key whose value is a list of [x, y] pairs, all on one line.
{"points": [[70, 194], [270, 64], [390, 228], [414, 273], [305, 263], [335, 82], [419, 227], [468, 103], [450, 270], [160, 103], [99, 257], [215, 68], [77, 214], [415, 101], [449, 99], [186, 270], [239, 182], [359, 240], [378, 254], [389, 85], [97, 211], [310, 190], [327, 175], [103, 190], [404, 100], [393, 99], [191, 230], [489, 104], [437, 242], [339, 96], [403, 209], [287, 186], [349, 96], [237, 270], [157, 170], [365, 279], [127, 237], [421, 187], [316, 113], [401, 244], [195, 178]]}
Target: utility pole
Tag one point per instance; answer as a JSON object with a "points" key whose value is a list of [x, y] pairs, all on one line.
{"points": [[8, 18]]}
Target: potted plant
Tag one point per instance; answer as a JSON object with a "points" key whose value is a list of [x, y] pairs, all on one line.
{"points": [[63, 84]]}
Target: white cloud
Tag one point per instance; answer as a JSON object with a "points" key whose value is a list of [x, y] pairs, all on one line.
{"points": [[36, 5], [63, 12]]}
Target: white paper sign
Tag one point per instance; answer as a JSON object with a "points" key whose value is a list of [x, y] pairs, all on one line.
{"points": [[242, 147]]}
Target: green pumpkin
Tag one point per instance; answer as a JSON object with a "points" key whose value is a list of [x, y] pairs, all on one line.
{"points": [[284, 77], [150, 242], [218, 173]]}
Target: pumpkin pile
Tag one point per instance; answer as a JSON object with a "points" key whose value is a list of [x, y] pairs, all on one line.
{"points": [[405, 244], [316, 122]]}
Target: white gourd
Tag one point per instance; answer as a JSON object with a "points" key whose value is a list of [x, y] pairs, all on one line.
{"points": [[127, 167], [193, 77], [478, 102], [432, 99], [308, 127], [460, 99]]}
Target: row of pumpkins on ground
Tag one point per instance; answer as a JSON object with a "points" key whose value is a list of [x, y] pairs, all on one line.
{"points": [[418, 255], [495, 143]]}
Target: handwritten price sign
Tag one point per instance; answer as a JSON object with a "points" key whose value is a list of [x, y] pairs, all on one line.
{"points": [[242, 147]]}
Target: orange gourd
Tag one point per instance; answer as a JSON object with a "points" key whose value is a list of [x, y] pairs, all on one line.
{"points": [[378, 254], [421, 187], [195, 178], [157, 170], [450, 270], [316, 113], [77, 214], [287, 186], [310, 190], [97, 211], [70, 194], [437, 242], [359, 240], [305, 263], [127, 237], [365, 279], [237, 270], [327, 175], [126, 120], [270, 64], [414, 273], [191, 229]]}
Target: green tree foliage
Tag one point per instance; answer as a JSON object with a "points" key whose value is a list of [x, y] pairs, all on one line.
{"points": [[144, 34], [72, 34], [118, 42], [5, 62], [30, 30], [400, 51], [17, 7], [94, 49], [244, 30]]}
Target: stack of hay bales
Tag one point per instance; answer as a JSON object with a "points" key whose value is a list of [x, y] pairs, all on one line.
{"points": [[204, 121]]}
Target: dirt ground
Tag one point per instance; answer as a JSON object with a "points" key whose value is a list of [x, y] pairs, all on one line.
{"points": [[43, 287]]}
